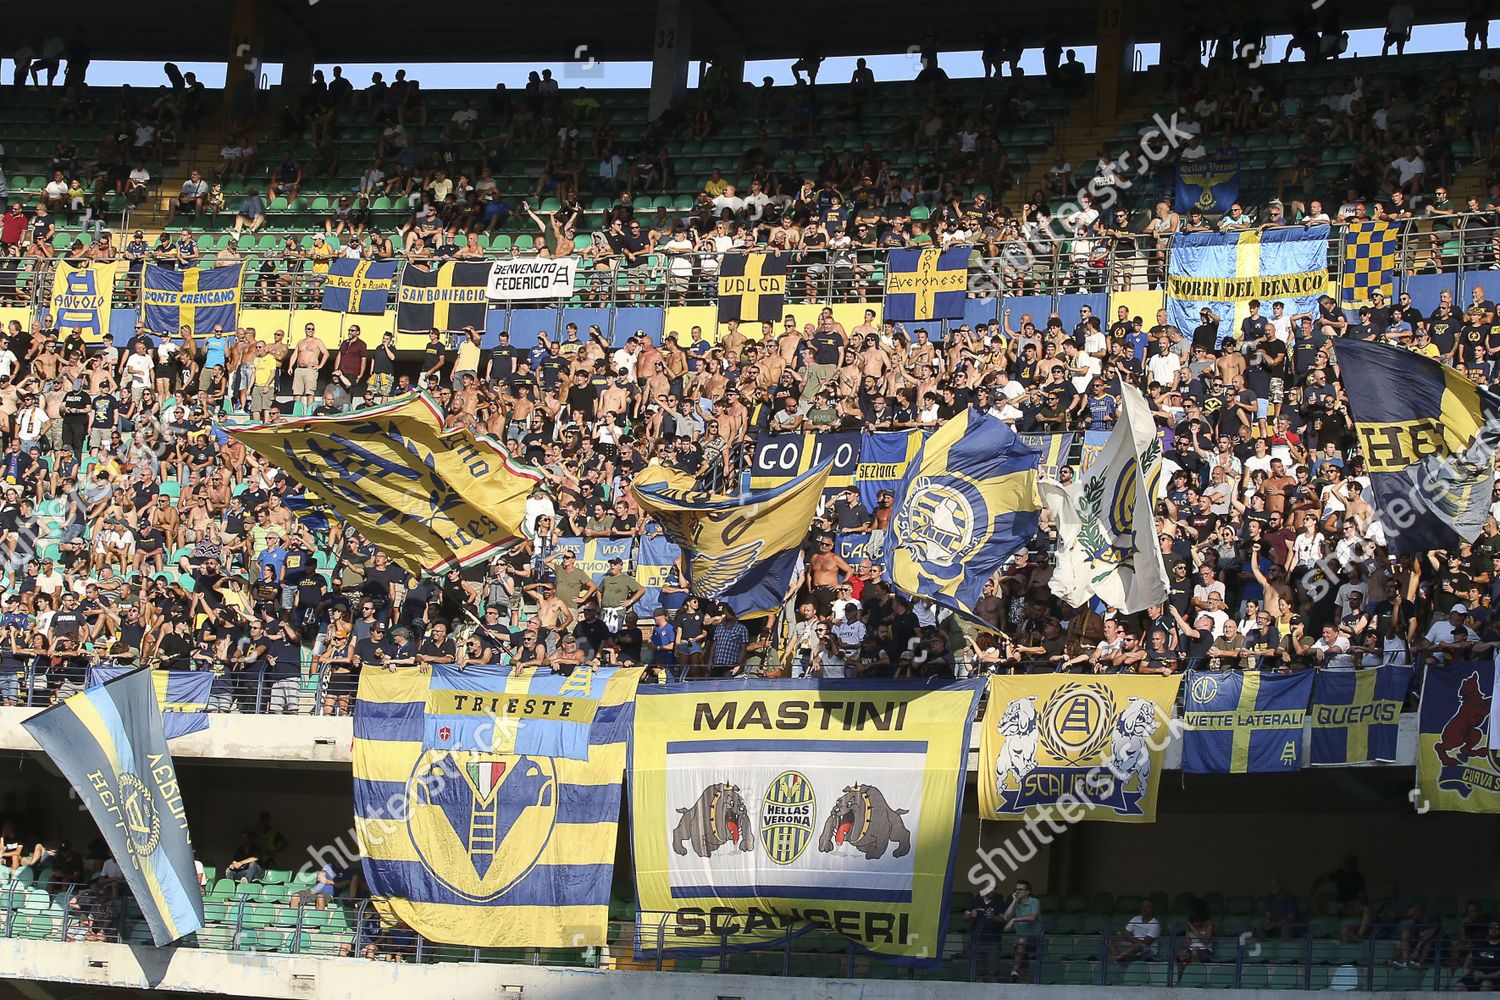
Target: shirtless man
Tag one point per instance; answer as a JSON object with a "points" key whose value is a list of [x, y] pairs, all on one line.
{"points": [[733, 341], [1230, 364], [552, 613], [867, 328], [646, 361], [45, 360], [305, 363], [674, 357], [614, 397], [242, 367], [733, 418], [825, 570]]}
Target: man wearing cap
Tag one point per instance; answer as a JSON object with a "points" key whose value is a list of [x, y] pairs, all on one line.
{"points": [[849, 514], [618, 593], [1451, 639]]}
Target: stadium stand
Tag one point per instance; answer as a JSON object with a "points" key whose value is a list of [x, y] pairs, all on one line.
{"points": [[134, 531]]}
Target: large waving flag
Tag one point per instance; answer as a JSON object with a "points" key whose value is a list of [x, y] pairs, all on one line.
{"points": [[967, 503], [108, 742], [1106, 521], [473, 839], [926, 284], [196, 298], [358, 286], [740, 550], [1225, 271], [1422, 428], [431, 500]]}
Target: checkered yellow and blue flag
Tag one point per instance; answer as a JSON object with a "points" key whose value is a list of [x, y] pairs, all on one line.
{"points": [[1369, 262]]}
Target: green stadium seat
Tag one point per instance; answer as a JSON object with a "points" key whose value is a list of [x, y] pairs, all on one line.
{"points": [[223, 889]]}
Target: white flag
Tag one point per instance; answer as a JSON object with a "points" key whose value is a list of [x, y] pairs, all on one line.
{"points": [[1106, 522], [1494, 731]]}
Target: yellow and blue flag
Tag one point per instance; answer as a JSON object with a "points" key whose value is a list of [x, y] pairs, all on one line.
{"points": [[446, 297], [752, 287], [82, 298], [760, 810], [431, 500], [108, 742], [1244, 723], [740, 550], [1458, 765], [1370, 254], [1089, 745], [197, 298], [592, 555], [1211, 183], [968, 502], [926, 284], [1057, 451], [1428, 437], [546, 715], [182, 694], [358, 286], [474, 845], [884, 458], [1223, 272], [1356, 715]]}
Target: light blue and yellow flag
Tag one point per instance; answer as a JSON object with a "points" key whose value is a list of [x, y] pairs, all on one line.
{"points": [[431, 500], [1458, 763], [742, 550], [1370, 255], [82, 299], [1244, 722], [514, 712], [1057, 452], [108, 742], [481, 847], [760, 810], [1428, 436], [1356, 715], [1223, 272], [1078, 748], [967, 504], [182, 694], [592, 555], [196, 298]]}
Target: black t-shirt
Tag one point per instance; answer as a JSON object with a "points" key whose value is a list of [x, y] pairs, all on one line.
{"points": [[76, 399], [444, 650], [581, 400], [104, 407], [1206, 336]]}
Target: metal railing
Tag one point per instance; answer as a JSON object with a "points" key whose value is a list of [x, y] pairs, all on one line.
{"points": [[292, 919], [1005, 265]]}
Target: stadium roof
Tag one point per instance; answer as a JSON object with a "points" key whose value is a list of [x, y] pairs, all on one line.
{"points": [[392, 31]]}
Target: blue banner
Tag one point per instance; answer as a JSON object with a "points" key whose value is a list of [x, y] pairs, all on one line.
{"points": [[1458, 753], [1356, 715], [1211, 184], [1244, 723], [926, 284], [883, 458], [1224, 272], [182, 694], [108, 742], [358, 286], [1057, 450], [197, 298]]}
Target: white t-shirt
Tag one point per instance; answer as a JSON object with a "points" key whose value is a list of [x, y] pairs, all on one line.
{"points": [[1408, 167]]}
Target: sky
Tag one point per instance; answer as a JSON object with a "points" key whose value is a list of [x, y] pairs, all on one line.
{"points": [[897, 66]]}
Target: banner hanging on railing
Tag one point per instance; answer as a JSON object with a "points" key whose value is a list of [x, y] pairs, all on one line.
{"points": [[761, 809], [517, 279], [82, 299]]}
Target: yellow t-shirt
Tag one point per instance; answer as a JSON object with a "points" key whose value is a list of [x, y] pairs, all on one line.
{"points": [[265, 370]]}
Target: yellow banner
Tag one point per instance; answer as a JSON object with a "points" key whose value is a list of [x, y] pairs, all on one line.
{"points": [[761, 808], [1075, 748], [81, 299]]}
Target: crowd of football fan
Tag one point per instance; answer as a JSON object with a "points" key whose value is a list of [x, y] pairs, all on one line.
{"points": [[134, 530]]}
